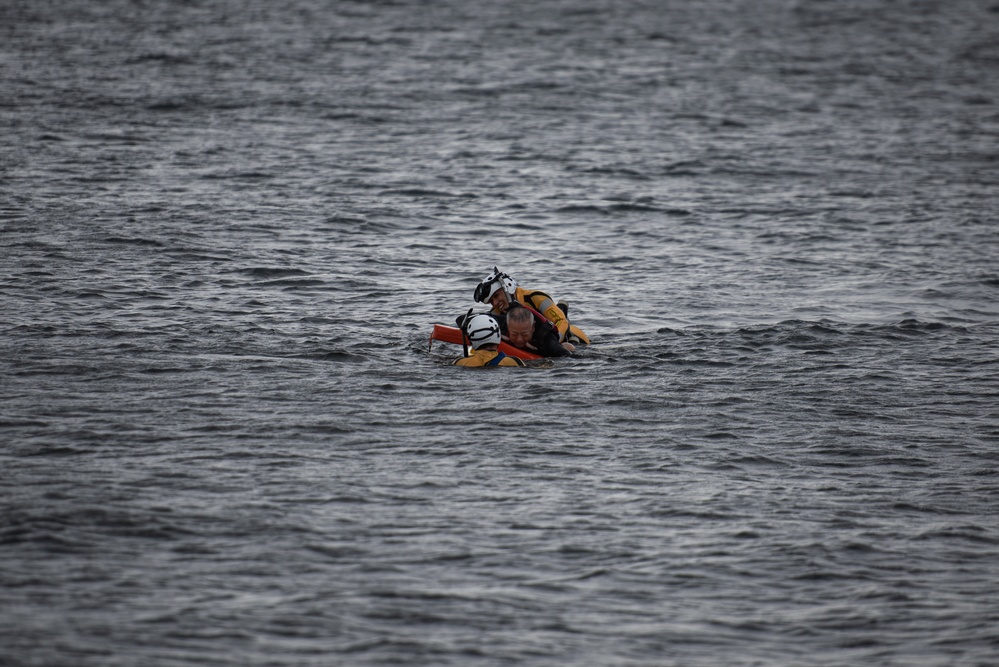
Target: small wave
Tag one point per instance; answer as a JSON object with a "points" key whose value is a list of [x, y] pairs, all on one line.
{"points": [[721, 435], [357, 225], [171, 105], [333, 355], [583, 209], [121, 240], [273, 272], [975, 534], [127, 138], [423, 192], [630, 207], [22, 423], [981, 52], [683, 168], [250, 175], [619, 171], [911, 328], [294, 284], [161, 57]]}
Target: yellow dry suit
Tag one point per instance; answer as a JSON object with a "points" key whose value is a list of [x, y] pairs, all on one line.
{"points": [[482, 357]]}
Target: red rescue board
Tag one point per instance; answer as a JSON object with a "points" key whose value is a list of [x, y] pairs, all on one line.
{"points": [[446, 334]]}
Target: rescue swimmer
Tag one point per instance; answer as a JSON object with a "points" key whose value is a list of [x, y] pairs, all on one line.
{"points": [[483, 331], [500, 291]]}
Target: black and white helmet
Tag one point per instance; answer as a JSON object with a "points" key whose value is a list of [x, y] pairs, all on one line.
{"points": [[495, 281], [482, 330]]}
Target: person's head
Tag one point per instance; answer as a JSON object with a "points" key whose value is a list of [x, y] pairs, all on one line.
{"points": [[519, 326], [497, 289], [482, 330]]}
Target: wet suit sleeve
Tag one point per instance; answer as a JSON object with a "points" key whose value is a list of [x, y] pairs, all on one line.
{"points": [[546, 341], [544, 304]]}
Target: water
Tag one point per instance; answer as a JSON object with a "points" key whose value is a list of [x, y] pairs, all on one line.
{"points": [[227, 228]]}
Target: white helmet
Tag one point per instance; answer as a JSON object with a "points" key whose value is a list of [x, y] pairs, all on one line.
{"points": [[494, 281], [482, 330]]}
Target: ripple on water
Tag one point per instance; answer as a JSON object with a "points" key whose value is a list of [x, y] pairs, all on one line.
{"points": [[225, 238]]}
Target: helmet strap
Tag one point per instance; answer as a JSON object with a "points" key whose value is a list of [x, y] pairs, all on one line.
{"points": [[464, 331]]}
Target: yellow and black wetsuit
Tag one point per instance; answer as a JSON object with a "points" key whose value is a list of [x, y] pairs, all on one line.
{"points": [[481, 358], [545, 305]]}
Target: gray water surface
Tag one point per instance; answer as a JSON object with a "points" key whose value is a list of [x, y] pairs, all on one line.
{"points": [[227, 228]]}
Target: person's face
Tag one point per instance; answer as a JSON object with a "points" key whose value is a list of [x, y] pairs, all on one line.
{"points": [[499, 301], [519, 333]]}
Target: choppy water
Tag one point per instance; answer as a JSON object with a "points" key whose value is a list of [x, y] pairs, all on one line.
{"points": [[227, 227]]}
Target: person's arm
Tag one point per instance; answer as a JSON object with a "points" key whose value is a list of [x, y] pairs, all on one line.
{"points": [[547, 343], [544, 304]]}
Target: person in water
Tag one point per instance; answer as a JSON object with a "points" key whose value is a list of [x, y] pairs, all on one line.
{"points": [[484, 333], [499, 291], [524, 329]]}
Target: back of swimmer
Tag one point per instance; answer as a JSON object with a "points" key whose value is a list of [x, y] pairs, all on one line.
{"points": [[484, 333]]}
